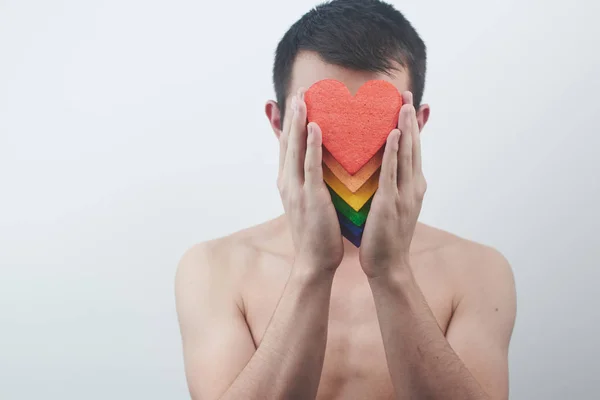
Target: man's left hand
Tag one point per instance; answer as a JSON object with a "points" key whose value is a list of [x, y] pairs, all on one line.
{"points": [[397, 203]]}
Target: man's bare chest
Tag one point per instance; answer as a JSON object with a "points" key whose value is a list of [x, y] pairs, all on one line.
{"points": [[355, 366]]}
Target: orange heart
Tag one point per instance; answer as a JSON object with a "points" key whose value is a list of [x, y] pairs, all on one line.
{"points": [[354, 127]]}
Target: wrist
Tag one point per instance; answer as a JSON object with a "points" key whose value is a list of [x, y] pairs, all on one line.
{"points": [[384, 266], [306, 271], [399, 275], [399, 287], [311, 260]]}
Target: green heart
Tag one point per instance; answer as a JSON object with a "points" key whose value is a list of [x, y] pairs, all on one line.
{"points": [[357, 217]]}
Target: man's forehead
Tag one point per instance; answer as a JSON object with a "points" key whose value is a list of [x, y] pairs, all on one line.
{"points": [[310, 68]]}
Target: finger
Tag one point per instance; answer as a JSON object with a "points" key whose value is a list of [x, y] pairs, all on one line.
{"points": [[389, 166], [313, 168], [407, 98], [405, 152], [283, 144], [294, 158], [416, 151]]}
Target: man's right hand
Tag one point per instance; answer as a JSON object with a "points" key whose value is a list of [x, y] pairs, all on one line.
{"points": [[306, 200]]}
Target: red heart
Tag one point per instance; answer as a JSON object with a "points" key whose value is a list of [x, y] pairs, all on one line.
{"points": [[354, 128]]}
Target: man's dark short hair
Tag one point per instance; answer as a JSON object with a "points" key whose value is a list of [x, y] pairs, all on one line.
{"points": [[364, 35]]}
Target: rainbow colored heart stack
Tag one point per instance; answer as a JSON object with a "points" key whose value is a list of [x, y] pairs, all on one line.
{"points": [[355, 129]]}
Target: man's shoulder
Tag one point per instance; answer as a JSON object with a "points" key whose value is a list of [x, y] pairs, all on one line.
{"points": [[216, 255], [232, 255], [468, 260]]}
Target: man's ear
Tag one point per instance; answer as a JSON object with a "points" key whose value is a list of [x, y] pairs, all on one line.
{"points": [[274, 116], [423, 115]]}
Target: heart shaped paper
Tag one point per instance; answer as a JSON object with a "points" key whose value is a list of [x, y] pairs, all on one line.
{"points": [[359, 217], [354, 127], [357, 199], [350, 231], [356, 181]]}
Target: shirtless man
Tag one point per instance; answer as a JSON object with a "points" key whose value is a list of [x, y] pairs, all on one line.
{"points": [[291, 310]]}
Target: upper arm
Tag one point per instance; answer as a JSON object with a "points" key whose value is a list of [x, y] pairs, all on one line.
{"points": [[216, 340], [482, 323]]}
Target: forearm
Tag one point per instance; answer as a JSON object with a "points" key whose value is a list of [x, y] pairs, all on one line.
{"points": [[420, 359], [289, 359]]}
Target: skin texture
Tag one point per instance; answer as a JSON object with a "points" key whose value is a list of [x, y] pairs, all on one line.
{"points": [[289, 309]]}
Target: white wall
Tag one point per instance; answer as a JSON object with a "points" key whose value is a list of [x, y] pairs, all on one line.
{"points": [[130, 130]]}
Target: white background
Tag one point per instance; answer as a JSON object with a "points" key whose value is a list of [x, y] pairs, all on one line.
{"points": [[130, 130]]}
